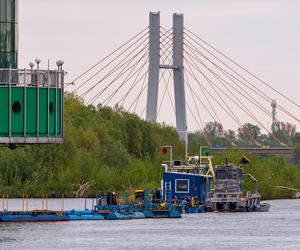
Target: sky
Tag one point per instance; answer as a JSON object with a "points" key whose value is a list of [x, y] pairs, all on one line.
{"points": [[263, 35]]}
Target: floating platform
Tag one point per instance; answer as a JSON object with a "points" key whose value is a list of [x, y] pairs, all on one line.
{"points": [[32, 216], [162, 214], [75, 215]]}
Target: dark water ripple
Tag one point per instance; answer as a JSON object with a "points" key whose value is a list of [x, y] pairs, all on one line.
{"points": [[277, 230]]}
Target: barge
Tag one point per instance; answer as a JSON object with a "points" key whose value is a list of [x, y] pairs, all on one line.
{"points": [[51, 216], [108, 207], [228, 194], [187, 184]]}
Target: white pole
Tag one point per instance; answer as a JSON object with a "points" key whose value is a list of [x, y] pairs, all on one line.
{"points": [[186, 146]]}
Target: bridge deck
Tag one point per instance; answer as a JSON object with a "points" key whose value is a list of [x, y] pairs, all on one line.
{"points": [[258, 150]]}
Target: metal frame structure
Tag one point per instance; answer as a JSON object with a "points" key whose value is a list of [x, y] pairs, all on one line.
{"points": [[20, 86]]}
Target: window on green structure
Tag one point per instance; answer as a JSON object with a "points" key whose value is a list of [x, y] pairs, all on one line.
{"points": [[16, 107], [51, 108]]}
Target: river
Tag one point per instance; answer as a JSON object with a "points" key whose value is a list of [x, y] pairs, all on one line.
{"points": [[277, 229]]}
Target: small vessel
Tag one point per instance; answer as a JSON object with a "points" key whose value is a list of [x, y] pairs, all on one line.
{"points": [[47, 215], [186, 184], [228, 193], [296, 195], [139, 207], [296, 191], [108, 207]]}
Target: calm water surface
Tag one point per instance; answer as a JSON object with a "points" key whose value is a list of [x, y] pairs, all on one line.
{"points": [[278, 229]]}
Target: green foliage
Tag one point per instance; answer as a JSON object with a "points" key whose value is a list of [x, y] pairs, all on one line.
{"points": [[116, 150], [106, 146]]}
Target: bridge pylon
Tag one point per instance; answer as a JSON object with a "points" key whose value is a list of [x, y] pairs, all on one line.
{"points": [[176, 66]]}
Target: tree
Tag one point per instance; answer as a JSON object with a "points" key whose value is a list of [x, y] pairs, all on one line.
{"points": [[214, 129], [248, 133], [285, 132], [296, 154]]}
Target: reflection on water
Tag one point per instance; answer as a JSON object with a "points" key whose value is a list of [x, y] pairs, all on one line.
{"points": [[278, 229]]}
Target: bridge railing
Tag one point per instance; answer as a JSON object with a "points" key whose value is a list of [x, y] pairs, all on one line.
{"points": [[257, 150]]}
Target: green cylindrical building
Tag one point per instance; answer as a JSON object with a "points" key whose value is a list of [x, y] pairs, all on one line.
{"points": [[8, 33]]}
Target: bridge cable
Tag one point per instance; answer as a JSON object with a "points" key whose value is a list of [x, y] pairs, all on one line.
{"points": [[133, 85], [136, 100], [197, 110], [228, 112], [118, 66], [213, 87], [127, 67], [256, 90], [193, 93], [113, 52], [247, 71], [126, 50], [166, 83], [144, 82], [248, 96], [241, 105], [129, 76]]}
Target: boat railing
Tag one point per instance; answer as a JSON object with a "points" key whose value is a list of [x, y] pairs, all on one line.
{"points": [[25, 204], [225, 197]]}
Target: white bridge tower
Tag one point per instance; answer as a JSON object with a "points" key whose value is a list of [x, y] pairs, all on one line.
{"points": [[177, 67]]}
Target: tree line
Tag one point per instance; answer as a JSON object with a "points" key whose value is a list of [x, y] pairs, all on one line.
{"points": [[112, 149]]}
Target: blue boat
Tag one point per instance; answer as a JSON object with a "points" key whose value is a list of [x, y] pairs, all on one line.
{"points": [[187, 184], [83, 215], [109, 205], [32, 216]]}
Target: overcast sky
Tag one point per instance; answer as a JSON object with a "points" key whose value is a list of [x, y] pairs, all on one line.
{"points": [[263, 35]]}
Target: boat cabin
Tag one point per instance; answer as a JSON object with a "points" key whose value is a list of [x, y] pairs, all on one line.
{"points": [[187, 180], [180, 186]]}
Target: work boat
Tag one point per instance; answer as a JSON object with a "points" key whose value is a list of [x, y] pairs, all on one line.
{"points": [[228, 193], [187, 183]]}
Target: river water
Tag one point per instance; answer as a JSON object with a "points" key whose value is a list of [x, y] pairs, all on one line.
{"points": [[277, 229]]}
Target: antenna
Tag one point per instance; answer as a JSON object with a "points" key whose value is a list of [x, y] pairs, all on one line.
{"points": [[274, 119]]}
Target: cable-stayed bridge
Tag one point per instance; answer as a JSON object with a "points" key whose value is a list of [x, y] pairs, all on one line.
{"points": [[174, 71]]}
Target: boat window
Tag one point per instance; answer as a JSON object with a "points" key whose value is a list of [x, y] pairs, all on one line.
{"points": [[229, 174], [240, 173], [176, 163], [182, 186], [221, 174]]}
